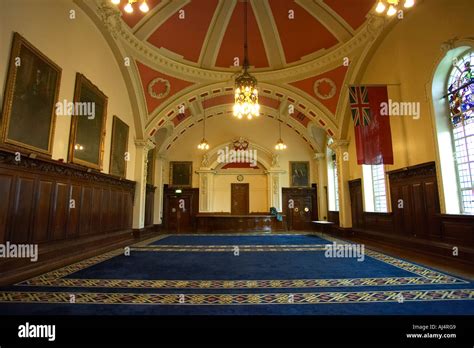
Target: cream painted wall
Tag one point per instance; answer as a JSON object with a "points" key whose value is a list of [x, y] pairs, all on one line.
{"points": [[408, 57], [258, 192], [76, 45], [223, 129]]}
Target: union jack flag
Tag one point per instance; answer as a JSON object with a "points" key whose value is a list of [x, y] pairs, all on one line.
{"points": [[360, 107]]}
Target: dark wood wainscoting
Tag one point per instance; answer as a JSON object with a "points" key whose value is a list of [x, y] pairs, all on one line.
{"points": [[178, 218], [333, 216], [45, 201], [416, 222], [305, 208], [357, 208], [61, 207]]}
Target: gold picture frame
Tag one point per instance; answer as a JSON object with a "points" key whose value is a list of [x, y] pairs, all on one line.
{"points": [[119, 148], [299, 174], [87, 135], [181, 174], [28, 119]]}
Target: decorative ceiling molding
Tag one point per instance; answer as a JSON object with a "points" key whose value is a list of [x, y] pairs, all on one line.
{"points": [[329, 18], [215, 33], [269, 32]]}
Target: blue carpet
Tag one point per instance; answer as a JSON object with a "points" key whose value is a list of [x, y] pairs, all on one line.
{"points": [[293, 278], [241, 240]]}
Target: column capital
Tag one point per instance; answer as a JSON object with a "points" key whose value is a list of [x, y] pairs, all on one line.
{"points": [[275, 171], [147, 144], [319, 156], [338, 144]]}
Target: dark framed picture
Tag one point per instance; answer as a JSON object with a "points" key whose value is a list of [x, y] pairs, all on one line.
{"points": [[299, 174], [181, 174], [86, 141], [150, 169], [31, 95], [119, 148]]}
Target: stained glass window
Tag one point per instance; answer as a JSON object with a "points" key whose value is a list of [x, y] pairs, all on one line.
{"points": [[461, 105]]}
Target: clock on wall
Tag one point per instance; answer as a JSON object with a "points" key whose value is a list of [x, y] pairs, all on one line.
{"points": [[240, 177]]}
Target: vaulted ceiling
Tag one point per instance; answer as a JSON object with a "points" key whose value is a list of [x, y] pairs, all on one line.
{"points": [[183, 55]]}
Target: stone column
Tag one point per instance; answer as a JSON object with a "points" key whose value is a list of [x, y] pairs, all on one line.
{"points": [[322, 172], [161, 165], [340, 148], [206, 184], [142, 148], [274, 188]]}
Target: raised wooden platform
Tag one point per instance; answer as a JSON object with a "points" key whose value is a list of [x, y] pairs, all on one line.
{"points": [[209, 223]]}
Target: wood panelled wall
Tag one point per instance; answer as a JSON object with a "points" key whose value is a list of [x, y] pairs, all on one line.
{"points": [[415, 219], [149, 204], [45, 201]]}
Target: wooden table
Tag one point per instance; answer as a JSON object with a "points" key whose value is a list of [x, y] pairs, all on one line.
{"points": [[325, 225]]}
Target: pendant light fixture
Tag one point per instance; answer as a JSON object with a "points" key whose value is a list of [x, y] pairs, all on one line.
{"points": [[246, 92], [203, 145], [280, 145]]}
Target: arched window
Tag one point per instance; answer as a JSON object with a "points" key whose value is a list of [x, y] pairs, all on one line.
{"points": [[460, 95]]}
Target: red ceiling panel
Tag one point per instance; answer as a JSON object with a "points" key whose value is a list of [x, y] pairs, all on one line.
{"points": [[233, 41], [353, 11], [186, 36], [303, 34], [147, 74], [337, 76]]}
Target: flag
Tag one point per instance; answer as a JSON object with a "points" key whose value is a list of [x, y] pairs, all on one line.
{"points": [[372, 130]]}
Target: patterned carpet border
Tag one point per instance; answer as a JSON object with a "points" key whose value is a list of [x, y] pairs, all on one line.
{"points": [[237, 299]]}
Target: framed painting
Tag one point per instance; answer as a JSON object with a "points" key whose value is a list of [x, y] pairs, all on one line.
{"points": [[86, 140], [119, 148], [150, 169], [299, 174], [31, 95], [181, 174]]}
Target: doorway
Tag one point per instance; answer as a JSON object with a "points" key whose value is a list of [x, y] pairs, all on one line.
{"points": [[239, 202]]}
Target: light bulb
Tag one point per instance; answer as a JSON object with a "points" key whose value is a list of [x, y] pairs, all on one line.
{"points": [[128, 8], [115, 2], [144, 7], [409, 3], [380, 7], [391, 11]]}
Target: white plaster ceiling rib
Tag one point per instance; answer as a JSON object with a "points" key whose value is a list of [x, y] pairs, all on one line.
{"points": [[160, 17], [223, 110], [329, 18], [215, 33], [310, 103], [151, 14], [269, 32]]}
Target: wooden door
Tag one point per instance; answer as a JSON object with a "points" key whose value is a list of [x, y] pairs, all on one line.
{"points": [[239, 199], [179, 214], [301, 213], [357, 209]]}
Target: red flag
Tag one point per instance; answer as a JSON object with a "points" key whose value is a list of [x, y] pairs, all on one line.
{"points": [[372, 130]]}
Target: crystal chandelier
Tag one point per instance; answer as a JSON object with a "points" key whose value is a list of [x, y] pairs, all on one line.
{"points": [[203, 145], [392, 6], [129, 6], [246, 93], [280, 145]]}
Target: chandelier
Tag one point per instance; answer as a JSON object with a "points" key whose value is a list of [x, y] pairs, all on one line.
{"points": [[246, 93], [392, 6], [280, 145], [203, 145], [129, 6]]}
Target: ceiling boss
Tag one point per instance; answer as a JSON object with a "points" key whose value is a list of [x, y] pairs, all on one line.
{"points": [[246, 93]]}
